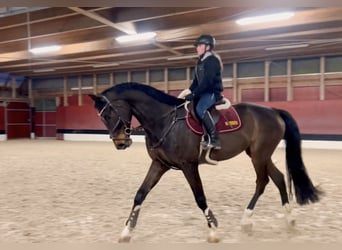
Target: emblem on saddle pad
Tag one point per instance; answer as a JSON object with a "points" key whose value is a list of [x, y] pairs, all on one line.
{"points": [[227, 120]]}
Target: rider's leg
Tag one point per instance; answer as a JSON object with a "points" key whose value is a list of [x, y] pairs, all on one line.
{"points": [[205, 102]]}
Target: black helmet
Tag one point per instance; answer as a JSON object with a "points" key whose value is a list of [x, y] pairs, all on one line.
{"points": [[205, 39]]}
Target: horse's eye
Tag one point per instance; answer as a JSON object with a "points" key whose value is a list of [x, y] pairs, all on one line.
{"points": [[106, 117]]}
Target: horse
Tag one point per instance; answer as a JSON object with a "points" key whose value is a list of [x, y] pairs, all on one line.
{"points": [[172, 145]]}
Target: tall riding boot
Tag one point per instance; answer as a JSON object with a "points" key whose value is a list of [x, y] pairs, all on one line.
{"points": [[209, 125]]}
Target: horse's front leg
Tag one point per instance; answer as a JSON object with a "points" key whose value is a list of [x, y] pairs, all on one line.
{"points": [[153, 176], [192, 175]]}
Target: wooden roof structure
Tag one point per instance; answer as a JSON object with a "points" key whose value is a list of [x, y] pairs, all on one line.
{"points": [[88, 44]]}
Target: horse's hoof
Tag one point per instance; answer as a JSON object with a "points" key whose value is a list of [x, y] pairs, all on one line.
{"points": [[246, 221], [213, 237], [291, 223], [125, 235], [125, 239], [247, 227], [290, 220]]}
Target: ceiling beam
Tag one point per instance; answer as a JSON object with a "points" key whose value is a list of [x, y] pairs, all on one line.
{"points": [[126, 27]]}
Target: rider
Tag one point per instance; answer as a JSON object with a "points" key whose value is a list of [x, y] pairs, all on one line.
{"points": [[206, 87]]}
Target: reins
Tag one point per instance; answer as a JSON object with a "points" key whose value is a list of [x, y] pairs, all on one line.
{"points": [[167, 131]]}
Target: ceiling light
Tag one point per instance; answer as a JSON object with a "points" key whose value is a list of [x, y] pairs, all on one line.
{"points": [[181, 57], [47, 49], [82, 88], [136, 37], [265, 18], [289, 46], [105, 65]]}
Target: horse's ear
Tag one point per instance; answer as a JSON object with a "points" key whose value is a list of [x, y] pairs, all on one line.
{"points": [[94, 97]]}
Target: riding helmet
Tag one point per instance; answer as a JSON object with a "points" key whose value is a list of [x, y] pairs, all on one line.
{"points": [[205, 39]]}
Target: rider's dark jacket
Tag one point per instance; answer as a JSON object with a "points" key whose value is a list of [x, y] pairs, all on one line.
{"points": [[207, 77]]}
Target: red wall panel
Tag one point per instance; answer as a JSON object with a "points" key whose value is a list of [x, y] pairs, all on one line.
{"points": [[45, 124], [38, 131], [18, 116], [252, 95], [305, 93], [50, 118], [333, 92], [78, 117], [73, 100], [175, 92], [45, 131], [38, 118], [228, 93], [50, 131], [314, 117], [278, 94], [87, 100], [75, 117], [2, 118], [17, 105], [18, 120], [18, 131]]}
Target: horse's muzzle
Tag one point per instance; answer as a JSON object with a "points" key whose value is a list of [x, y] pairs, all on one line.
{"points": [[121, 144]]}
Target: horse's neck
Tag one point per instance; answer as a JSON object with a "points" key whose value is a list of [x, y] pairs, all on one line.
{"points": [[152, 114]]}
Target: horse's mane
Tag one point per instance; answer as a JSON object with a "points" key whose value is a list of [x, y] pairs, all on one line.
{"points": [[148, 90]]}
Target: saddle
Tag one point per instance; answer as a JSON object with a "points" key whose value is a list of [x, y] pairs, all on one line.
{"points": [[225, 116], [226, 119]]}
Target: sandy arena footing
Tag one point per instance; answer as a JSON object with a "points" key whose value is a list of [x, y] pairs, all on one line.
{"points": [[82, 192]]}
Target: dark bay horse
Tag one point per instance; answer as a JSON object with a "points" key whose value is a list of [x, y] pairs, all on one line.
{"points": [[172, 145]]}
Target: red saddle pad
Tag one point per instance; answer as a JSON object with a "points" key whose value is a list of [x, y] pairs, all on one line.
{"points": [[228, 121]]}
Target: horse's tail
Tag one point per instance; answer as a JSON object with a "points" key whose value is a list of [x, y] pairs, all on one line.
{"points": [[305, 191]]}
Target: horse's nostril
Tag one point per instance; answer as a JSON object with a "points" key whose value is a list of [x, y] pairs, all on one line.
{"points": [[121, 146]]}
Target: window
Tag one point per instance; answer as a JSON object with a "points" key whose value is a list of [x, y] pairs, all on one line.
{"points": [[227, 71], [333, 64], [138, 76], [177, 74], [157, 75], [120, 77], [251, 69], [72, 82], [87, 81], [102, 79], [192, 72], [48, 84], [278, 68], [45, 104], [305, 66]]}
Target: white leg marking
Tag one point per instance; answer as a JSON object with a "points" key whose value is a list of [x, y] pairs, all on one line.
{"points": [[125, 236], [126, 233], [246, 221], [212, 236], [291, 222]]}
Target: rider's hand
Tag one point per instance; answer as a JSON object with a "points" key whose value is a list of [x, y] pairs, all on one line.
{"points": [[189, 97]]}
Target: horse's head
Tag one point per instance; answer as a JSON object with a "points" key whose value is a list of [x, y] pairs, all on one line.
{"points": [[116, 116]]}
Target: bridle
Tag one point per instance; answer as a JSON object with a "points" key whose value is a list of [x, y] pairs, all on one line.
{"points": [[126, 123]]}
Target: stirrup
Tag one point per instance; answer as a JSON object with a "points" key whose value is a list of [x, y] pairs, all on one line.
{"points": [[213, 146], [206, 144]]}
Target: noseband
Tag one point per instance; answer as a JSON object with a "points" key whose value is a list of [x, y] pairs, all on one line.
{"points": [[127, 124]]}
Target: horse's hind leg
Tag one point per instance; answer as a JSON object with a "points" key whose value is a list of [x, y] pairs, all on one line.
{"points": [[261, 182], [153, 176], [278, 179]]}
